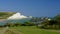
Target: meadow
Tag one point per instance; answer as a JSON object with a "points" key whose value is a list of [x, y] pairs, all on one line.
{"points": [[33, 30]]}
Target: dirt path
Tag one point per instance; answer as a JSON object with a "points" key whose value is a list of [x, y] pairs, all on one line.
{"points": [[3, 30], [7, 30], [15, 31]]}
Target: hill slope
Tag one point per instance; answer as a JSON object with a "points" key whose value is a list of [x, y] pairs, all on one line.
{"points": [[4, 15]]}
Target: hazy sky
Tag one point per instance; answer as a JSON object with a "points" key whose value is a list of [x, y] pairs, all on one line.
{"points": [[35, 8]]}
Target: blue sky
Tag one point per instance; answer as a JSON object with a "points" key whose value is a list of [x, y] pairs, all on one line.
{"points": [[36, 8]]}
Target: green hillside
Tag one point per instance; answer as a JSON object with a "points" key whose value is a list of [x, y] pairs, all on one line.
{"points": [[4, 15]]}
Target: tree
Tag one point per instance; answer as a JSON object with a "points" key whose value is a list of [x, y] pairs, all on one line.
{"points": [[57, 18], [53, 23]]}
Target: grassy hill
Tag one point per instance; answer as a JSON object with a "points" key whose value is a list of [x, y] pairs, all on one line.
{"points": [[4, 15]]}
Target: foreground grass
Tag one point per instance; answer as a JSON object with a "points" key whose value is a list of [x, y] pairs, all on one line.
{"points": [[33, 30]]}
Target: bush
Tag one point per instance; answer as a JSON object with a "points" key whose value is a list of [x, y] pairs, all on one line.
{"points": [[18, 24], [28, 23], [52, 24]]}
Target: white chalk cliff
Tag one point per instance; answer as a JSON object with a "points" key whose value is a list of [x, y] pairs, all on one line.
{"points": [[18, 16]]}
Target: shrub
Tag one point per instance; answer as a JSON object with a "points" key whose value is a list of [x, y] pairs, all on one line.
{"points": [[28, 23]]}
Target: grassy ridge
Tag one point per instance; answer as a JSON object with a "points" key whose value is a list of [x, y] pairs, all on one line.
{"points": [[4, 15]]}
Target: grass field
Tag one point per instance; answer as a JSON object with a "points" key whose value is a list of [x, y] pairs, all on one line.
{"points": [[33, 30]]}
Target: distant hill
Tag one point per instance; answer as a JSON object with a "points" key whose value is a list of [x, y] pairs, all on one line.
{"points": [[4, 15]]}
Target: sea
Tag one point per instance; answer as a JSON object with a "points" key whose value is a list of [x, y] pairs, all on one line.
{"points": [[3, 22]]}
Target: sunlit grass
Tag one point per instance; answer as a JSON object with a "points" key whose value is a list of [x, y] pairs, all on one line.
{"points": [[33, 30]]}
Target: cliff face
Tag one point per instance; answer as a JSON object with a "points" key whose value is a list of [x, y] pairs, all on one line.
{"points": [[12, 15], [17, 16]]}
